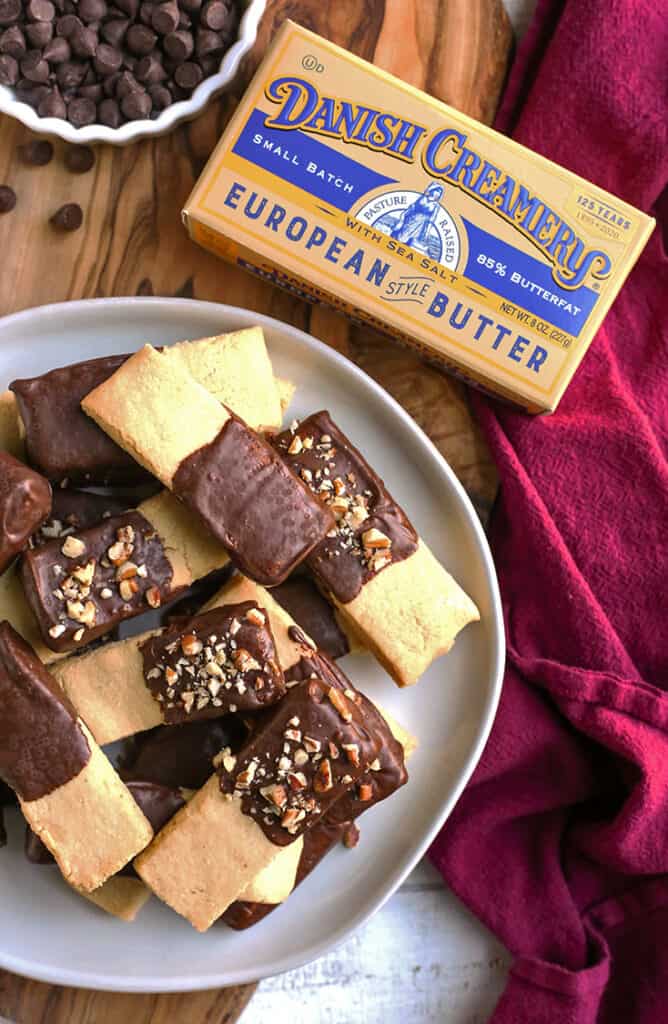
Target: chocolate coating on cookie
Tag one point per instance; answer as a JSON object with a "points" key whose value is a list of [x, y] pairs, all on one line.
{"points": [[82, 586], [252, 502], [42, 745], [73, 510], [372, 531], [220, 661], [61, 441], [312, 749], [25, 502], [181, 755], [313, 612]]}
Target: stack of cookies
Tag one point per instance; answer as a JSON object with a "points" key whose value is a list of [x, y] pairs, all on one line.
{"points": [[243, 559]]}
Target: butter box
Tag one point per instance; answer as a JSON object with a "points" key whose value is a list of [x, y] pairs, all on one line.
{"points": [[349, 187]]}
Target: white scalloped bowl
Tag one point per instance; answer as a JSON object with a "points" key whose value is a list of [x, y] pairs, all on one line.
{"points": [[184, 110]]}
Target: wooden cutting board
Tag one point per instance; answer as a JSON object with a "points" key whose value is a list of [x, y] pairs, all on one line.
{"points": [[132, 243]]}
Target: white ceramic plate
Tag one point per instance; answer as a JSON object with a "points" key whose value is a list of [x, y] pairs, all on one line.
{"points": [[46, 930]]}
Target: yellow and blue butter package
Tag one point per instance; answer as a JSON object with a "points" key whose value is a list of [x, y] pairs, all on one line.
{"points": [[347, 186]]}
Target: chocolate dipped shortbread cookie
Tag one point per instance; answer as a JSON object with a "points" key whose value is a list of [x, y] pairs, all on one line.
{"points": [[25, 502], [68, 791], [228, 475], [382, 577]]}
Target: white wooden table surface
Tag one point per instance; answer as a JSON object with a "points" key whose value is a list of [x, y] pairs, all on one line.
{"points": [[422, 959]]}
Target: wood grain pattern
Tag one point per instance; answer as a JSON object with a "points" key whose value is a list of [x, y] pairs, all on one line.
{"points": [[132, 243]]}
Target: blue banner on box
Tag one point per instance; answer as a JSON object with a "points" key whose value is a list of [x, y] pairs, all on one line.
{"points": [[525, 281], [310, 165]]}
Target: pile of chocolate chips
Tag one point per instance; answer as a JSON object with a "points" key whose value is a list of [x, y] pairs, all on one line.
{"points": [[107, 63]]}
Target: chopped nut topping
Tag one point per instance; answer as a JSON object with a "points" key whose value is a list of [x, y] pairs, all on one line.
{"points": [[57, 631], [126, 571], [153, 597], [323, 780], [188, 699], [72, 547], [127, 588], [301, 757], [119, 552], [351, 836], [293, 734], [276, 794], [244, 660], [190, 645], [256, 616], [295, 445], [235, 626], [244, 778], [353, 752], [311, 744], [374, 538], [106, 593], [78, 636], [375, 765], [229, 761], [84, 573], [297, 781], [340, 703], [80, 612], [171, 676], [365, 791]]}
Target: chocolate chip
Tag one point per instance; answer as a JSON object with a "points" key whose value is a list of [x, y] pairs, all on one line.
{"points": [[108, 60], [146, 12], [83, 41], [7, 198], [52, 105], [40, 33], [79, 159], [70, 74], [129, 7], [188, 75], [190, 5], [150, 70], [66, 25], [216, 15], [9, 69], [166, 17], [36, 153], [161, 96], [126, 84], [81, 111], [109, 85], [93, 91], [10, 11], [109, 113], [179, 45], [12, 41], [113, 31], [34, 67], [92, 10], [140, 40], [185, 21], [68, 218], [41, 10], [57, 51], [136, 105], [208, 42]]}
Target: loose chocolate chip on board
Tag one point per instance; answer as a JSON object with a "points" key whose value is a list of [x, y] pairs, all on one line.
{"points": [[79, 159], [10, 11], [40, 10], [7, 198], [9, 69], [68, 218], [12, 41], [36, 153]]}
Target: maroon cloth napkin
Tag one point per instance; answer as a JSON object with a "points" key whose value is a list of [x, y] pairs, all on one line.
{"points": [[560, 842]]}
